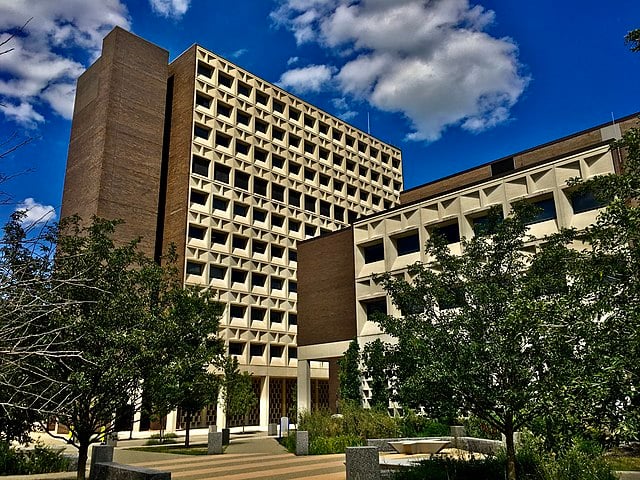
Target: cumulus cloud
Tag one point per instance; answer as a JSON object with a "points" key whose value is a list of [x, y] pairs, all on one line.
{"points": [[170, 8], [41, 70], [312, 78], [36, 212], [238, 53], [431, 61], [292, 60]]}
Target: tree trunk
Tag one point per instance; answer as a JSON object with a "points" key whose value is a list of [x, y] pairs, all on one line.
{"points": [[186, 437], [83, 451], [511, 450]]}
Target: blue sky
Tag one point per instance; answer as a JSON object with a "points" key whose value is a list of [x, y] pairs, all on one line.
{"points": [[451, 82]]}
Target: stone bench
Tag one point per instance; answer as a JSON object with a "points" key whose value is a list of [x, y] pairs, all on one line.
{"points": [[104, 468], [429, 447]]}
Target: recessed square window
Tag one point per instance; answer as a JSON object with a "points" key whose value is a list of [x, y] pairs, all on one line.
{"points": [[200, 166], [237, 311], [338, 213], [397, 185], [278, 106], [277, 133], [205, 70], [220, 204], [294, 114], [309, 147], [337, 159], [238, 276], [203, 101], [338, 185], [373, 152], [310, 231], [309, 121], [244, 89], [450, 232], [224, 109], [242, 180], [407, 244], [277, 192], [293, 255], [395, 163], [261, 98], [259, 248], [325, 208], [276, 316], [236, 348], [350, 141], [277, 220], [294, 225], [294, 198], [336, 134], [309, 174], [323, 128], [351, 191], [197, 232], [293, 286], [256, 349], [218, 237], [242, 147], [375, 306], [293, 320], [194, 268], [277, 251], [261, 126], [198, 197], [351, 166], [201, 132], [362, 147], [351, 216], [276, 283], [294, 168], [584, 201], [221, 173], [240, 209], [258, 314], [225, 80], [243, 118], [309, 203], [385, 158], [216, 272], [325, 179], [277, 161], [364, 196], [547, 210], [259, 215], [293, 351], [323, 154], [239, 242], [294, 140], [373, 252], [222, 140], [277, 351], [260, 186]]}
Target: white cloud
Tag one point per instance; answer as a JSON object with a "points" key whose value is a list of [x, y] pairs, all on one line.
{"points": [[170, 8], [238, 53], [36, 212], [292, 60], [312, 78], [42, 68], [431, 61]]}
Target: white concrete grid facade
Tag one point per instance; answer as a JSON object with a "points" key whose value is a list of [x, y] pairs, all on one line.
{"points": [[403, 232], [268, 170]]}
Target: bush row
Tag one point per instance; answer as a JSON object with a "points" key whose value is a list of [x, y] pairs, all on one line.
{"points": [[28, 462]]}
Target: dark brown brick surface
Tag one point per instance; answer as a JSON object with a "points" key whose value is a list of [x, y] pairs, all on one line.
{"points": [[326, 289]]}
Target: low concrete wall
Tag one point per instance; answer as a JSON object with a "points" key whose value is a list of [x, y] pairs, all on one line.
{"points": [[471, 444], [117, 471]]}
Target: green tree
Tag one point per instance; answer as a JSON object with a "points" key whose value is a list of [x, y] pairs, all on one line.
{"points": [[238, 394], [489, 332], [376, 371], [349, 374], [633, 40]]}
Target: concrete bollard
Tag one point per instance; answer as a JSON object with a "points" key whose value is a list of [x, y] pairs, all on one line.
{"points": [[100, 454], [226, 436], [272, 429], [112, 439], [363, 463], [284, 426], [214, 443], [302, 443]]}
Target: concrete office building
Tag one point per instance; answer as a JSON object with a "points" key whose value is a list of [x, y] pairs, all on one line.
{"points": [[337, 291], [235, 172]]}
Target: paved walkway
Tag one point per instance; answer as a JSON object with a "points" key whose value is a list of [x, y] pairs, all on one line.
{"points": [[248, 456]]}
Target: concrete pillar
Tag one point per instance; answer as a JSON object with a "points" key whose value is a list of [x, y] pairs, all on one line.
{"points": [[264, 402], [334, 385], [363, 463], [302, 443], [100, 454], [304, 386], [221, 419], [214, 443], [172, 421]]}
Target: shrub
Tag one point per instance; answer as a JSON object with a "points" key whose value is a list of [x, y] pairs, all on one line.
{"points": [[475, 427], [412, 425], [583, 461], [338, 444], [454, 469], [167, 438], [28, 462]]}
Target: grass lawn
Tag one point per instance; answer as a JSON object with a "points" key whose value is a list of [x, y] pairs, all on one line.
{"points": [[623, 463], [177, 449]]}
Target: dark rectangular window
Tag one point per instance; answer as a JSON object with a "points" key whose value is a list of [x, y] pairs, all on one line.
{"points": [[277, 133], [336, 134], [237, 311], [351, 166], [309, 203], [337, 185], [294, 168], [224, 109], [395, 163], [294, 114], [450, 232], [260, 186], [323, 128], [259, 215], [259, 247], [194, 268], [293, 286], [309, 121], [205, 70], [242, 181], [294, 141], [277, 193], [201, 132], [258, 314], [373, 253], [277, 220], [197, 232], [239, 242], [293, 351], [238, 276], [502, 166], [276, 251], [362, 147], [385, 158], [325, 208], [220, 203], [203, 101], [221, 173], [277, 351], [375, 176], [309, 231], [309, 174], [373, 152], [294, 198], [200, 166], [256, 349], [219, 238], [293, 319], [198, 197], [236, 348], [293, 255], [351, 216], [276, 316], [338, 213], [242, 147], [261, 126], [278, 106], [485, 224], [547, 210], [240, 209], [294, 225], [584, 201], [323, 154], [261, 98], [244, 89], [408, 244], [324, 179], [223, 140], [309, 147], [242, 118], [216, 272], [277, 161], [225, 80], [378, 305], [276, 283], [337, 159]]}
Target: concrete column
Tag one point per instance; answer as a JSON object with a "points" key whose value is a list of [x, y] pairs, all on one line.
{"points": [[264, 402], [304, 386], [99, 454], [363, 463], [221, 419], [172, 421]]}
